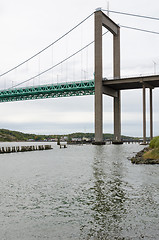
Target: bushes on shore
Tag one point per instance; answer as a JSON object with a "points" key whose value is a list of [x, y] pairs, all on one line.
{"points": [[148, 155], [154, 142], [153, 152]]}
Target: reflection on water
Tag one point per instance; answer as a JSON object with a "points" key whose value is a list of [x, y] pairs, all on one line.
{"points": [[108, 207], [82, 192]]}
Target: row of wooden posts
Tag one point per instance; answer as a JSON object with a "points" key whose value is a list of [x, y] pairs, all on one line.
{"points": [[24, 148]]}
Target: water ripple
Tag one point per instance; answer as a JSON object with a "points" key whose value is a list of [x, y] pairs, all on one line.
{"points": [[85, 193]]}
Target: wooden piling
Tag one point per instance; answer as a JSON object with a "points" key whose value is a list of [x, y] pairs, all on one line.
{"points": [[14, 149]]}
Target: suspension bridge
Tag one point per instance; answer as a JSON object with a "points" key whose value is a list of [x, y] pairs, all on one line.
{"points": [[96, 86]]}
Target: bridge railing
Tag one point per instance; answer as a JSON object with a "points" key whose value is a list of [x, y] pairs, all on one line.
{"points": [[131, 76]]}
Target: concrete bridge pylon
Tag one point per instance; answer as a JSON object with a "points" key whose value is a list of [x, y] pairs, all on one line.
{"points": [[101, 20]]}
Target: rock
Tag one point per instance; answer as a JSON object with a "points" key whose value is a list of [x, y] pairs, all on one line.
{"points": [[138, 158]]}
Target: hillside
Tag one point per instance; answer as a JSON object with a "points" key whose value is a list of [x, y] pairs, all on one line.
{"points": [[92, 135], [15, 136]]}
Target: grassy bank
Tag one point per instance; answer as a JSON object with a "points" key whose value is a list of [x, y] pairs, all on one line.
{"points": [[153, 152], [148, 155]]}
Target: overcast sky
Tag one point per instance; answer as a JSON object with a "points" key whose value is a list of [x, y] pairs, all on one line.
{"points": [[29, 26]]}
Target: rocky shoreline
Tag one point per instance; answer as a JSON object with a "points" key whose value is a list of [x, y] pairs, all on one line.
{"points": [[138, 158]]}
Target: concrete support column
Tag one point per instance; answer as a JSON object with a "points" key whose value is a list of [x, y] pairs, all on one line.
{"points": [[98, 79], [144, 114], [117, 104], [117, 119], [102, 20], [151, 115]]}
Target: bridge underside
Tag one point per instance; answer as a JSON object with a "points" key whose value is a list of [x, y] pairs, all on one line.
{"points": [[132, 82], [48, 91], [141, 82]]}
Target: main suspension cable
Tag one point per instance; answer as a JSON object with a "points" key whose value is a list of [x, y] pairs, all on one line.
{"points": [[47, 46], [139, 29], [132, 15], [56, 64], [132, 28]]}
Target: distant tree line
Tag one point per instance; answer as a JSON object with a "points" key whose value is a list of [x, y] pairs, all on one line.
{"points": [[10, 136]]}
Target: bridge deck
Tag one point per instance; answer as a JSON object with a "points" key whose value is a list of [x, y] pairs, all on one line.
{"points": [[66, 89], [75, 88], [132, 82]]}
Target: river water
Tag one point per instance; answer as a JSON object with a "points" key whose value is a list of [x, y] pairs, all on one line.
{"points": [[82, 192]]}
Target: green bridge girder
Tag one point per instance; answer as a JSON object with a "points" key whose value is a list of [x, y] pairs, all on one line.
{"points": [[67, 89]]}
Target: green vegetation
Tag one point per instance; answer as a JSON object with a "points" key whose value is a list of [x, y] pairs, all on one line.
{"points": [[92, 135], [154, 142], [15, 136], [153, 152]]}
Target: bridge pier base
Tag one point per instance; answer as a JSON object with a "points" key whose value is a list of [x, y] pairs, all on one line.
{"points": [[98, 143]]}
